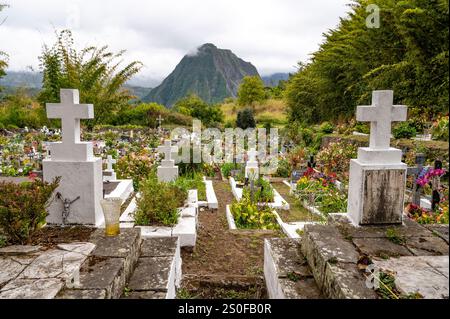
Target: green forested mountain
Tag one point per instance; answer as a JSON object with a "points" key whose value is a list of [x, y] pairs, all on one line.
{"points": [[408, 53], [211, 73]]}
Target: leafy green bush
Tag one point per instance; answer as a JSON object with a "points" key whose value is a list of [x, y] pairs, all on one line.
{"points": [[248, 215], [23, 208], [226, 169], [362, 128], [192, 105], [326, 127], [187, 183], [283, 169], [404, 130], [159, 203], [440, 129], [336, 157], [263, 191], [135, 166], [245, 119]]}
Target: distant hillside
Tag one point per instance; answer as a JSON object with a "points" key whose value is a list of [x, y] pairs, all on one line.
{"points": [[32, 83], [274, 79], [25, 79], [211, 73], [138, 91]]}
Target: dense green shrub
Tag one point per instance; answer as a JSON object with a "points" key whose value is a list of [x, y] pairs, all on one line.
{"points": [[362, 128], [159, 203], [248, 215], [23, 208], [19, 110], [135, 166], [283, 169], [336, 157], [146, 115], [192, 182], [245, 119], [404, 130], [440, 129], [263, 191], [194, 106], [226, 169], [326, 127]]}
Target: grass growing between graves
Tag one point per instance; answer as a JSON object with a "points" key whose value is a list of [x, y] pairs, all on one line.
{"points": [[297, 212], [224, 263], [193, 182]]}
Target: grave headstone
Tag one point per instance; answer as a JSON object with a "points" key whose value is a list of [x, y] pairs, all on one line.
{"points": [[415, 171], [252, 165], [378, 176], [160, 119], [74, 161], [296, 175], [436, 187], [167, 171]]}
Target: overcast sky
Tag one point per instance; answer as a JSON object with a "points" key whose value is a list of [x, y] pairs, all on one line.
{"points": [[272, 34]]}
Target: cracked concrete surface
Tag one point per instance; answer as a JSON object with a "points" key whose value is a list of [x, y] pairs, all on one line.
{"points": [[33, 273]]}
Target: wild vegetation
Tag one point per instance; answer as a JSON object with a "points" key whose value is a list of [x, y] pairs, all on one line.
{"points": [[23, 208], [408, 54]]}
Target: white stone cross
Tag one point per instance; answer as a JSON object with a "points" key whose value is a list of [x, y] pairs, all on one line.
{"points": [[381, 114], [109, 163], [160, 119], [252, 155], [167, 149], [70, 112]]}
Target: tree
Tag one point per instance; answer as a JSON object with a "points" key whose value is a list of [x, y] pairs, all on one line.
{"points": [[3, 55], [245, 119], [408, 54], [251, 91], [93, 71], [194, 106]]}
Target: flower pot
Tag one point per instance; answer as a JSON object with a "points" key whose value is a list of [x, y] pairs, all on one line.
{"points": [[111, 210]]}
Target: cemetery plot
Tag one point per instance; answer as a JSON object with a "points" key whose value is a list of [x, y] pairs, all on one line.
{"points": [[319, 194]]}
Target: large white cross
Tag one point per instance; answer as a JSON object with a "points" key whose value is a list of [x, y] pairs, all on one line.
{"points": [[167, 149], [70, 112], [109, 163], [252, 155], [381, 114]]}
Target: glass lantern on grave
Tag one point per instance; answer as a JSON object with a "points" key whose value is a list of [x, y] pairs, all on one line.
{"points": [[111, 210]]}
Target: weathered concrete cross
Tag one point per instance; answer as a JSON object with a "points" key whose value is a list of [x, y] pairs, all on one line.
{"points": [[415, 171], [70, 112], [381, 114]]}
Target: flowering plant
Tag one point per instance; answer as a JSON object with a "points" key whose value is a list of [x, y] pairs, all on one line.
{"points": [[319, 190], [336, 158], [427, 174]]}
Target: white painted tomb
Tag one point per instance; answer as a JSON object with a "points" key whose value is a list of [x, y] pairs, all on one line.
{"points": [[167, 172], [74, 161], [252, 165], [378, 176]]}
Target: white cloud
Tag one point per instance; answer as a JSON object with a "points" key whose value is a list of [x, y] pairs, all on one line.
{"points": [[272, 34]]}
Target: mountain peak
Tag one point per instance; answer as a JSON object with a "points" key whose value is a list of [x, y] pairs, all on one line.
{"points": [[207, 46], [211, 73]]}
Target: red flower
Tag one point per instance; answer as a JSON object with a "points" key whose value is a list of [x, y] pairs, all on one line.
{"points": [[32, 176]]}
